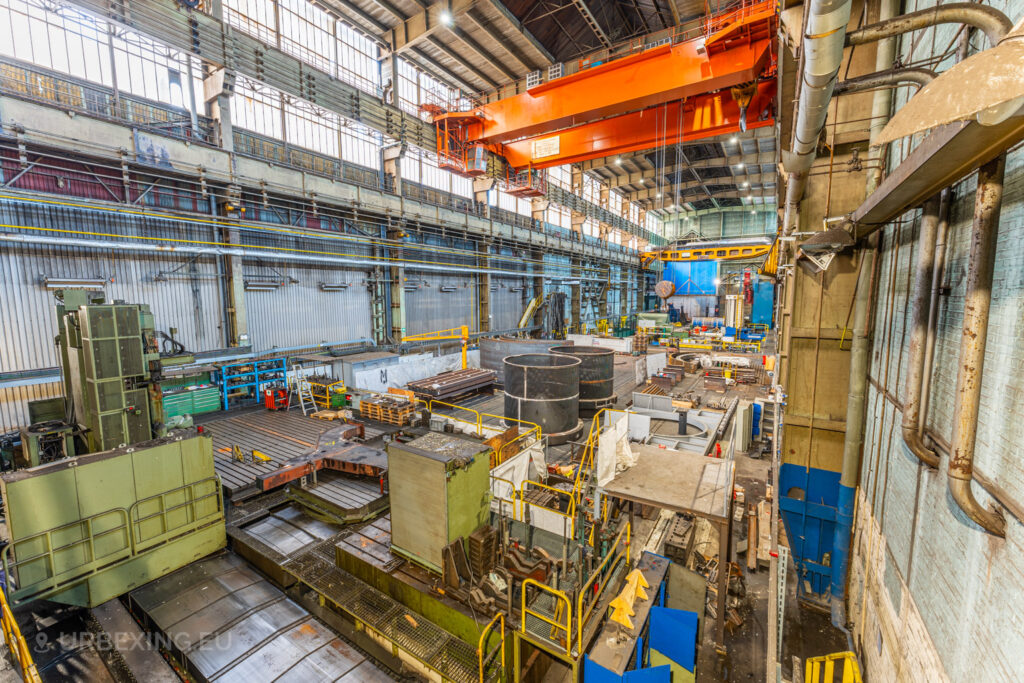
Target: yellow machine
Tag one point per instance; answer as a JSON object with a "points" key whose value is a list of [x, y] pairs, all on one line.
{"points": [[441, 335]]}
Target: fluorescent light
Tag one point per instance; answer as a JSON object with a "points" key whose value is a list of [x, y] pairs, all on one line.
{"points": [[262, 285], [333, 286], [53, 283]]}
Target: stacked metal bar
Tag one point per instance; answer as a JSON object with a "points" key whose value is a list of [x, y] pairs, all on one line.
{"points": [[453, 383]]}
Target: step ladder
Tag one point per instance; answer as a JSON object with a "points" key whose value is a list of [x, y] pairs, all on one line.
{"points": [[302, 390]]}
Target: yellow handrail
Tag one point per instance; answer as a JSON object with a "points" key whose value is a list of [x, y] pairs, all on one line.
{"points": [[561, 598], [515, 493], [498, 618], [608, 561], [476, 423], [16, 643], [523, 503], [501, 456], [822, 669]]}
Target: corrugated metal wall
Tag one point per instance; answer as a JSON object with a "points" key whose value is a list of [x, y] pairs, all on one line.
{"points": [[14, 402], [301, 313], [428, 308], [506, 305], [182, 294]]}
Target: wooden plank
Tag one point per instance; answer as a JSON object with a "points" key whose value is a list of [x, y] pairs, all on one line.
{"points": [[752, 537], [764, 534]]}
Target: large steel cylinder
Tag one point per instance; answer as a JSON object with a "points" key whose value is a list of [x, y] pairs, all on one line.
{"points": [[597, 376], [493, 350], [544, 389]]}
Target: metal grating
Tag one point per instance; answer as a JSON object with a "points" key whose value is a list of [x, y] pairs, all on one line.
{"points": [[453, 658]]}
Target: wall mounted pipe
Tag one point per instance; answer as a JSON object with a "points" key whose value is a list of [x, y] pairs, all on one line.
{"points": [[970, 369], [938, 274], [993, 23], [822, 52], [924, 269], [893, 78]]}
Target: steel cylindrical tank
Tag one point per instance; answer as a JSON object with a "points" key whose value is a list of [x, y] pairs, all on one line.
{"points": [[544, 388], [494, 350], [597, 376]]}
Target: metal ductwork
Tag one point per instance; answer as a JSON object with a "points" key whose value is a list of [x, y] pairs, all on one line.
{"points": [[893, 78], [990, 21], [822, 53]]}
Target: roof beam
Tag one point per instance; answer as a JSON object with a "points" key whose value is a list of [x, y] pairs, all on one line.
{"points": [[522, 30], [591, 20], [671, 189], [765, 196], [423, 24], [509, 46], [636, 177], [481, 52], [441, 72], [456, 57]]}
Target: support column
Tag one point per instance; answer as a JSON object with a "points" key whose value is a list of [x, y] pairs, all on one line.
{"points": [[481, 186], [397, 273], [624, 293], [391, 157], [576, 296], [577, 219], [538, 209], [235, 313], [218, 87], [537, 256], [483, 283], [605, 288]]}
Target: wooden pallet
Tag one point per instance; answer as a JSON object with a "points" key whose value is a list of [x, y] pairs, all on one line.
{"points": [[386, 410]]}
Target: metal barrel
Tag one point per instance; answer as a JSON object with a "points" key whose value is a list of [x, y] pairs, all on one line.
{"points": [[544, 389], [597, 376], [493, 350]]}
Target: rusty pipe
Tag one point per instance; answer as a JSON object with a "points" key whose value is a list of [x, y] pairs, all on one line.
{"points": [[938, 274], [993, 23], [919, 333], [893, 78], [984, 233]]}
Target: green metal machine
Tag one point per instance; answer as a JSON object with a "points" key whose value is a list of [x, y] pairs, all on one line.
{"points": [[103, 498]]}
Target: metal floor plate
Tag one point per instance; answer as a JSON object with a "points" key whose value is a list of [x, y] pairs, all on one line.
{"points": [[226, 623]]}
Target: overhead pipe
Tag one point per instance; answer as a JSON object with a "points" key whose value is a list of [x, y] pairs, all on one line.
{"points": [[990, 21], [988, 200], [822, 52], [892, 78], [821, 66], [860, 354], [924, 270], [938, 273]]}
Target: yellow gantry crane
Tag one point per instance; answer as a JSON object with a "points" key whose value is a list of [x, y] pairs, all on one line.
{"points": [[442, 335]]}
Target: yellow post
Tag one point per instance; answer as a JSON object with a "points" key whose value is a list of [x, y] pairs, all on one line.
{"points": [[465, 342]]}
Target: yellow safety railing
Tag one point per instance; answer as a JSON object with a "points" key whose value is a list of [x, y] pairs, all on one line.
{"points": [[476, 422], [822, 669], [603, 573], [568, 514], [560, 599], [485, 660], [516, 445], [515, 494], [16, 643]]}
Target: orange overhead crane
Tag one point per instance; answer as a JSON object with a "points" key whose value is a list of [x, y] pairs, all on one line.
{"points": [[720, 82]]}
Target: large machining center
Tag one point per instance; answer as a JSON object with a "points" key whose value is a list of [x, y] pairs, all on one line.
{"points": [[104, 495]]}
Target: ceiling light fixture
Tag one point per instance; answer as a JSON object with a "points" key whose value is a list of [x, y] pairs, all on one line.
{"points": [[739, 165], [734, 139], [446, 18]]}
